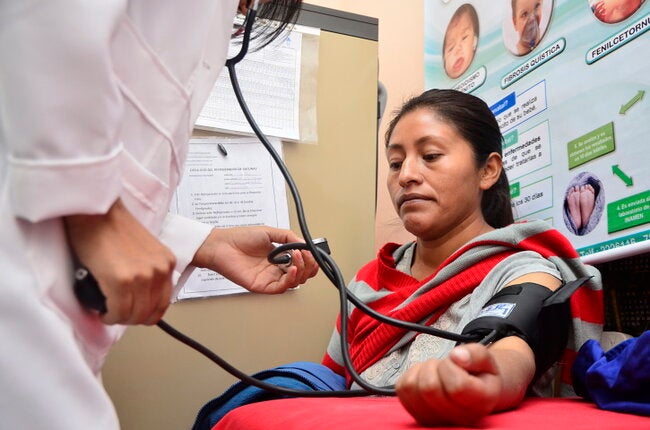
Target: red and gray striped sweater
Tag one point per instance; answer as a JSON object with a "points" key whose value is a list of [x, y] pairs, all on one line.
{"points": [[401, 296]]}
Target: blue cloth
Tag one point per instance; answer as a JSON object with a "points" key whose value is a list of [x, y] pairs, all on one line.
{"points": [[300, 375], [616, 380]]}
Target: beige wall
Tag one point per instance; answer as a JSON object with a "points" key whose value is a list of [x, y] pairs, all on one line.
{"points": [[401, 70]]}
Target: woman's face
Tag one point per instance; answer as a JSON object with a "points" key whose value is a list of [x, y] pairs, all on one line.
{"points": [[433, 180], [526, 18], [460, 42]]}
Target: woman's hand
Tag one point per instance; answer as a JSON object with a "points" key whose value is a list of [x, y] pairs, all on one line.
{"points": [[133, 269], [240, 254], [472, 382], [460, 389]]}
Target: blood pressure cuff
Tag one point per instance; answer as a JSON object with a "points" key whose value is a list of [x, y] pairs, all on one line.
{"points": [[533, 312]]}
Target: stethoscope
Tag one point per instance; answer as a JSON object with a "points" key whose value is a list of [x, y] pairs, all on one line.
{"points": [[88, 292]]}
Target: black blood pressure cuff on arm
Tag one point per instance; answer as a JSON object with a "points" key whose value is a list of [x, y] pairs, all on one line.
{"points": [[532, 312]]}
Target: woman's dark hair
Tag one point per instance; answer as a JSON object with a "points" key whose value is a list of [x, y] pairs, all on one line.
{"points": [[273, 18], [475, 122]]}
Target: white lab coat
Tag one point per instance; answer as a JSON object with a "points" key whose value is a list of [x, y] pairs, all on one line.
{"points": [[97, 101]]}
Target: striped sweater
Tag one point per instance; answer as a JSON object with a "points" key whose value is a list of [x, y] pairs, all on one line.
{"points": [[392, 292]]}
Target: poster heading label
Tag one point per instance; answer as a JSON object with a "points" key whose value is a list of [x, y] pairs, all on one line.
{"points": [[548, 53]]}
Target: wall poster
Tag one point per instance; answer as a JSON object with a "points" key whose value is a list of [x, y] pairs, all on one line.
{"points": [[567, 81]]}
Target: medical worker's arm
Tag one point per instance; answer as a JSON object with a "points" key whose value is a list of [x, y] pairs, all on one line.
{"points": [[133, 269], [61, 106], [240, 254], [61, 112], [474, 380]]}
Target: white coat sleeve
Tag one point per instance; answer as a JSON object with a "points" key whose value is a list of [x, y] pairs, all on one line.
{"points": [[184, 236], [60, 106]]}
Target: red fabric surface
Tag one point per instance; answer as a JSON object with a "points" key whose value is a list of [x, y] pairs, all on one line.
{"points": [[386, 413]]}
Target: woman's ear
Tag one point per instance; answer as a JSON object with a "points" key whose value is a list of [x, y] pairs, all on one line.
{"points": [[491, 171]]}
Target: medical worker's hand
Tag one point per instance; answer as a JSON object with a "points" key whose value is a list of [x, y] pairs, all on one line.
{"points": [[468, 384], [240, 254], [133, 269]]}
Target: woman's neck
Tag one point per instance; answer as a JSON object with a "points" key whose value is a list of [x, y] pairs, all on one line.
{"points": [[430, 253]]}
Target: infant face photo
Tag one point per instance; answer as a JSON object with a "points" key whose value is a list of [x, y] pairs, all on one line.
{"points": [[525, 25], [461, 40]]}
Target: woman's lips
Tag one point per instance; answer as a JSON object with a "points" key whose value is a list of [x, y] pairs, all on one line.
{"points": [[411, 198]]}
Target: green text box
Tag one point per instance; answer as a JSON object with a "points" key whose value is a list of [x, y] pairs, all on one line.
{"points": [[515, 190], [592, 145], [628, 212], [510, 139]]}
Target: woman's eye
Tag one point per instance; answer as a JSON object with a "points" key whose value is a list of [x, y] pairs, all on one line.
{"points": [[394, 165], [430, 157]]}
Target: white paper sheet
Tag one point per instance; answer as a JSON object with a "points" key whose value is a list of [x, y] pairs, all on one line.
{"points": [[241, 188], [270, 83]]}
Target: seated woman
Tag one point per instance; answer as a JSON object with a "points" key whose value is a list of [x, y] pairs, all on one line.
{"points": [[448, 187]]}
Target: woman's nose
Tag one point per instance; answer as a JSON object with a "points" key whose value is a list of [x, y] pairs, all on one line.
{"points": [[409, 172]]}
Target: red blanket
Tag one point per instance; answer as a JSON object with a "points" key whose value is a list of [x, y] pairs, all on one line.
{"points": [[376, 413]]}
